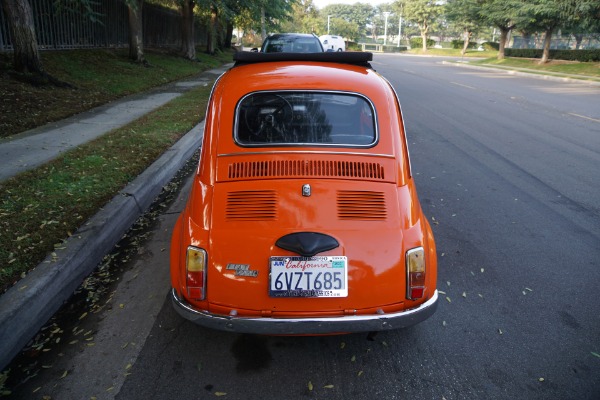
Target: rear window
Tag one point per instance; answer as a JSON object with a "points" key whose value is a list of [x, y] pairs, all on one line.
{"points": [[312, 118]]}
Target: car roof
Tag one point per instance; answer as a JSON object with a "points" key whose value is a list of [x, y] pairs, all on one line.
{"points": [[353, 58]]}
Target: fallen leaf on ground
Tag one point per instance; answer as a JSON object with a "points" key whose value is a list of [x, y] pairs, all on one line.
{"points": [[310, 386]]}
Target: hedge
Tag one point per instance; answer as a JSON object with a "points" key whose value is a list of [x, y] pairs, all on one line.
{"points": [[568, 55], [458, 44], [417, 42]]}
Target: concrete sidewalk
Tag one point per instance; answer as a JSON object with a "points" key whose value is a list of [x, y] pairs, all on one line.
{"points": [[35, 147], [28, 305]]}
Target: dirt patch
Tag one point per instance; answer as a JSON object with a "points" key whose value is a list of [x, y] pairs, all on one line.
{"points": [[24, 106]]}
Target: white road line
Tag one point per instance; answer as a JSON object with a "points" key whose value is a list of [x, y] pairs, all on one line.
{"points": [[460, 84], [584, 117]]}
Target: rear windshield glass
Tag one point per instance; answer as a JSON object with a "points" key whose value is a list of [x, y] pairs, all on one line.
{"points": [[280, 118]]}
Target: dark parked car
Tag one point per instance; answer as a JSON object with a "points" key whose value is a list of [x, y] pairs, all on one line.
{"points": [[291, 43]]}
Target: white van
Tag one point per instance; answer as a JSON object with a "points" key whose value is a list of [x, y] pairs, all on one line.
{"points": [[332, 43]]}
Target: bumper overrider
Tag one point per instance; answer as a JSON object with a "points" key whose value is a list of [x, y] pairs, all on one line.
{"points": [[306, 326]]}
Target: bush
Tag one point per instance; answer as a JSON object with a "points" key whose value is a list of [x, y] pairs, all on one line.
{"points": [[458, 44], [417, 42], [568, 55], [393, 49], [491, 46]]}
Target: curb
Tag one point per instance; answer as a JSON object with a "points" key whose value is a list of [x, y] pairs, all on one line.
{"points": [[29, 304]]}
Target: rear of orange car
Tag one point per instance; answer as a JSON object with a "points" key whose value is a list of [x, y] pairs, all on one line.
{"points": [[303, 217]]}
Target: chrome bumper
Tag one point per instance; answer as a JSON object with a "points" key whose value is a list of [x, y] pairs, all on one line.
{"points": [[306, 326]]}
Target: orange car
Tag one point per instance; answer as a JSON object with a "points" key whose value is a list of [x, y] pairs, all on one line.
{"points": [[303, 216]]}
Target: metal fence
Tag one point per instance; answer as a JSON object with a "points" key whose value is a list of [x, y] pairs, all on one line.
{"points": [[59, 28]]}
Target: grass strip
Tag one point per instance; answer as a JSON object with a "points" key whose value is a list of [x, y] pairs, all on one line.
{"points": [[573, 68], [40, 208]]}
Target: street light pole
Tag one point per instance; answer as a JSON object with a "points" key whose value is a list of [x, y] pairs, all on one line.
{"points": [[387, 14], [400, 27]]}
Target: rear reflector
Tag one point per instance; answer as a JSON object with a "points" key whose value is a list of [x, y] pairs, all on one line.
{"points": [[195, 273], [415, 273]]}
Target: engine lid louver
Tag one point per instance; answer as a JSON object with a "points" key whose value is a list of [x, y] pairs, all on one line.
{"points": [[257, 205], [305, 168], [361, 205]]}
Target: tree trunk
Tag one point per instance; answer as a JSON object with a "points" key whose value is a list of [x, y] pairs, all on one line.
{"points": [[188, 46], [424, 29], [22, 28], [229, 34], [547, 41], [503, 37], [211, 37], [578, 40], [466, 44], [263, 27], [136, 38]]}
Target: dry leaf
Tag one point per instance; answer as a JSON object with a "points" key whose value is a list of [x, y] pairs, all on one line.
{"points": [[328, 387], [64, 374], [353, 358], [360, 373], [464, 294], [448, 298], [541, 379], [342, 345], [219, 394], [310, 386]]}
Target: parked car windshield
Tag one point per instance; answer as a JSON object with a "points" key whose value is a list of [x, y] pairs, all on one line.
{"points": [[291, 118], [292, 44]]}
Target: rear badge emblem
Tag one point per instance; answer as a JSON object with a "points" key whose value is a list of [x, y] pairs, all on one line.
{"points": [[242, 270], [306, 190]]}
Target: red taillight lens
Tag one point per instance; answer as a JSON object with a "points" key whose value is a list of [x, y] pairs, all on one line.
{"points": [[415, 269], [195, 267]]}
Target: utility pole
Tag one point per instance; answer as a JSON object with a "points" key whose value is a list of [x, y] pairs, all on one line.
{"points": [[400, 27], [386, 14]]}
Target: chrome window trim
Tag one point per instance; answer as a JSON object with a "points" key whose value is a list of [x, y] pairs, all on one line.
{"points": [[342, 92]]}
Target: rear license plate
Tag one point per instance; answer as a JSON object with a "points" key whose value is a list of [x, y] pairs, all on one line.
{"points": [[309, 276]]}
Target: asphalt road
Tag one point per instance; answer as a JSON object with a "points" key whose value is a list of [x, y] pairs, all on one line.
{"points": [[507, 170]]}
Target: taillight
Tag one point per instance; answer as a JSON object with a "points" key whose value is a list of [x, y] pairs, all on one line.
{"points": [[195, 267], [415, 269]]}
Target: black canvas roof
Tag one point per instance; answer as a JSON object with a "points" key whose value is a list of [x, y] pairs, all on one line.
{"points": [[340, 57]]}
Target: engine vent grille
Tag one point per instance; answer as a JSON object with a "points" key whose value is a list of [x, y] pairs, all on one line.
{"points": [[361, 205], [251, 205], [305, 168]]}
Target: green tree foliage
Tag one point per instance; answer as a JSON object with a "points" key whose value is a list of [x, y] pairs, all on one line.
{"points": [[359, 14], [304, 19], [464, 14], [424, 13], [502, 14]]}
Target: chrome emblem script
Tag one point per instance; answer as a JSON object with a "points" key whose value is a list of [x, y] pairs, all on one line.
{"points": [[306, 190]]}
